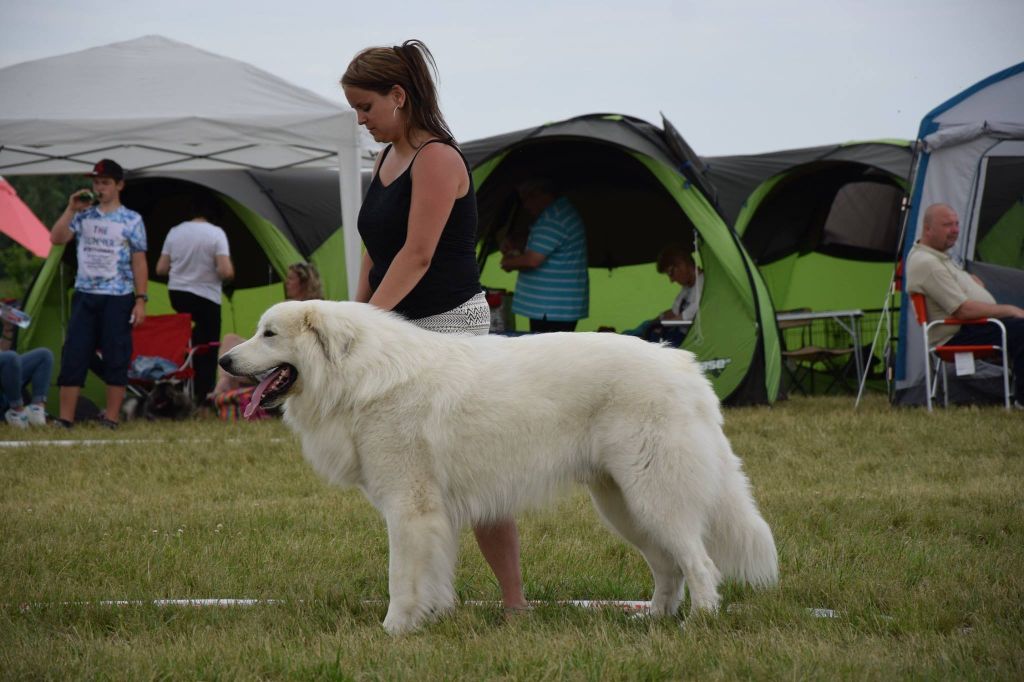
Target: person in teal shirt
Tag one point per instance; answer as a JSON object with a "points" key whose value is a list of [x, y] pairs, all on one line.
{"points": [[552, 287]]}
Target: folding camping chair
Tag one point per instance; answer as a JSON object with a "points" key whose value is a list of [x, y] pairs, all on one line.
{"points": [[942, 354], [801, 358], [168, 337]]}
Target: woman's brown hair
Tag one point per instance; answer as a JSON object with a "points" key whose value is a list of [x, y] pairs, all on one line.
{"points": [[309, 279], [379, 69]]}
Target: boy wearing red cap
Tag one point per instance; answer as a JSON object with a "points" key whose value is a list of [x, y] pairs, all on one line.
{"points": [[110, 289]]}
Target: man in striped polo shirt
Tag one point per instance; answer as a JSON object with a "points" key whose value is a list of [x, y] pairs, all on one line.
{"points": [[552, 288]]}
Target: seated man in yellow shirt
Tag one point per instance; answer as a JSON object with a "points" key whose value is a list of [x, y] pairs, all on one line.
{"points": [[950, 292]]}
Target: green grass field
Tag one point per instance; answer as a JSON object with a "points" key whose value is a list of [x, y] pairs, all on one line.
{"points": [[909, 526]]}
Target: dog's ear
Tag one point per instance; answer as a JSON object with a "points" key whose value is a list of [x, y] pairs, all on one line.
{"points": [[333, 335], [333, 339], [312, 321]]}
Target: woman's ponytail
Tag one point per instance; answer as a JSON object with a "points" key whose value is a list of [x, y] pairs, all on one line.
{"points": [[409, 65]]}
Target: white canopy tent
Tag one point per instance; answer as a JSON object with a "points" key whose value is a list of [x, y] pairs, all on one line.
{"points": [[157, 104]]}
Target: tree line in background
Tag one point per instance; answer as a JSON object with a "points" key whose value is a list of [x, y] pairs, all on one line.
{"points": [[47, 196]]}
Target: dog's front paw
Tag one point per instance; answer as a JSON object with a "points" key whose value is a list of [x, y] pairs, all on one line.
{"points": [[400, 621], [709, 605], [394, 628]]}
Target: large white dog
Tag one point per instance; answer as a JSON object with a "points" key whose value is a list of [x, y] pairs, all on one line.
{"points": [[439, 431]]}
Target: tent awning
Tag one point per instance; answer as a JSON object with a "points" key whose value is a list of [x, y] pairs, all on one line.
{"points": [[962, 133], [157, 103]]}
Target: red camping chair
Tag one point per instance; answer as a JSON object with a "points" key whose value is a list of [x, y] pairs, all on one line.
{"points": [[943, 354], [170, 337]]}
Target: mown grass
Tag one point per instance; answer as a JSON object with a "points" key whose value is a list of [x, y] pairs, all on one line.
{"points": [[908, 525]]}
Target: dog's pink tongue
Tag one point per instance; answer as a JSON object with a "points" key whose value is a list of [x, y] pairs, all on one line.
{"points": [[257, 394]]}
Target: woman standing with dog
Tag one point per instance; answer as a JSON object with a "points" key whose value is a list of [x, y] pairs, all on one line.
{"points": [[418, 223]]}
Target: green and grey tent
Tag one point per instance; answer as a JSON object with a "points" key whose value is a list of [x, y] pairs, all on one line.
{"points": [[638, 188], [822, 223]]}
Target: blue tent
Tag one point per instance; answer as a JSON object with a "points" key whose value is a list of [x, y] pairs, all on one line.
{"points": [[970, 155]]}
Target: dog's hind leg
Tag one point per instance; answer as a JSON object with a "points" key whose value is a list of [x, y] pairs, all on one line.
{"points": [[421, 568], [670, 495], [668, 578], [701, 573], [677, 527]]}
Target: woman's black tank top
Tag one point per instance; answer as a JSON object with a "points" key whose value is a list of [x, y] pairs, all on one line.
{"points": [[452, 277]]}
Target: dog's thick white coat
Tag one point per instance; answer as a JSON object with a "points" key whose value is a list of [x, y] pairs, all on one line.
{"points": [[440, 431]]}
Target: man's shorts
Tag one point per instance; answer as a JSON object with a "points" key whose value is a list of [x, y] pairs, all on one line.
{"points": [[98, 322]]}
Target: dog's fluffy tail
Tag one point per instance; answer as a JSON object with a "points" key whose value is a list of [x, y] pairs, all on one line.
{"points": [[739, 540]]}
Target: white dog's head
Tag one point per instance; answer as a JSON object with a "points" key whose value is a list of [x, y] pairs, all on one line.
{"points": [[295, 342], [332, 354]]}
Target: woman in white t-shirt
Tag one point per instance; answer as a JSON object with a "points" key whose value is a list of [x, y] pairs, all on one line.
{"points": [[197, 259]]}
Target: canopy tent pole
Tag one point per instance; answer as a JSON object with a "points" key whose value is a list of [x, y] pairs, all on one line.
{"points": [[351, 188], [890, 293]]}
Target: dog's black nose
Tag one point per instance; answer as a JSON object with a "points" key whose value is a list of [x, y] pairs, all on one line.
{"points": [[225, 363]]}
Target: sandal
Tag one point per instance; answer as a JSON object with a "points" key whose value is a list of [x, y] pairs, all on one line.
{"points": [[107, 423]]}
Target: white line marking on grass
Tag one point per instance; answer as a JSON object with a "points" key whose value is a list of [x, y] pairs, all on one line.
{"points": [[188, 602], [227, 602], [223, 603], [824, 613], [122, 441], [631, 606]]}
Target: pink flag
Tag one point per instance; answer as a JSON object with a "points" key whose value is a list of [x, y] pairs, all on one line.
{"points": [[19, 223]]}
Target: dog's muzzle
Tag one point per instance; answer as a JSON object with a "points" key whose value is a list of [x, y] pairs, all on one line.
{"points": [[272, 388]]}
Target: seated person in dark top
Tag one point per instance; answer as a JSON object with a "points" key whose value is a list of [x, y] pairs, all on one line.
{"points": [[675, 261]]}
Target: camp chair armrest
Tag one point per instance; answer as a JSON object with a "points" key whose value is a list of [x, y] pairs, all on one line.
{"points": [[205, 347], [975, 320], [201, 349]]}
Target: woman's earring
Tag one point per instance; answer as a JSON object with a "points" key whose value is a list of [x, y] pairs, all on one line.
{"points": [[395, 112]]}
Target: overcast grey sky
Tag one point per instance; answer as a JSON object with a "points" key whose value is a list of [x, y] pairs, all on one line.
{"points": [[734, 76]]}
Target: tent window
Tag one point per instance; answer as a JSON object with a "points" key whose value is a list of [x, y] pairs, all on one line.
{"points": [[845, 210], [1000, 234], [864, 215]]}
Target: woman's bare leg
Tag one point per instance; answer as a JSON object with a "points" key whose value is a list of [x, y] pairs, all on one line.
{"points": [[499, 543]]}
